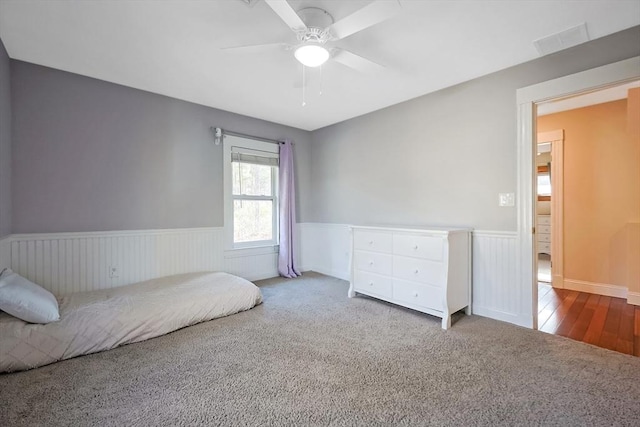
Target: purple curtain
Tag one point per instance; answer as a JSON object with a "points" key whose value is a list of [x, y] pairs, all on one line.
{"points": [[287, 256]]}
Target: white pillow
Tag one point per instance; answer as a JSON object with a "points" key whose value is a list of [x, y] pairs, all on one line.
{"points": [[26, 300]]}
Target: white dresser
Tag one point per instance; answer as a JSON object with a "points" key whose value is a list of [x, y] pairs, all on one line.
{"points": [[428, 270], [543, 234]]}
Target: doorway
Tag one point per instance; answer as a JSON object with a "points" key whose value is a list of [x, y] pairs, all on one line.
{"points": [[595, 304], [527, 98]]}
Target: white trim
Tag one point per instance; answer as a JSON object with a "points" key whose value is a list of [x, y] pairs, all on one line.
{"points": [[633, 298], [526, 97], [550, 136], [502, 316], [111, 233], [246, 145], [491, 233], [589, 80], [557, 209], [596, 288], [556, 139]]}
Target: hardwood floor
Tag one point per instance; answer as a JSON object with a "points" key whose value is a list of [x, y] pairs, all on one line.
{"points": [[599, 320]]}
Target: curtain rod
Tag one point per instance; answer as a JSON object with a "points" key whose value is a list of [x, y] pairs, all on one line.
{"points": [[218, 132]]}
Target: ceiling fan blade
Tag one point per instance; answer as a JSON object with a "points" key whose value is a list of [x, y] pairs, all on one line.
{"points": [[371, 14], [256, 47], [287, 14], [356, 62]]}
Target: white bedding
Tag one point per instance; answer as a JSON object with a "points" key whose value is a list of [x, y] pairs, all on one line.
{"points": [[101, 320]]}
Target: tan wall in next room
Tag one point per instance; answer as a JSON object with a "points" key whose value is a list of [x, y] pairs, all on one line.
{"points": [[633, 130], [601, 192]]}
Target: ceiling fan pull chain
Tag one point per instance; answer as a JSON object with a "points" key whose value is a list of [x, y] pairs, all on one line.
{"points": [[304, 86], [320, 92]]}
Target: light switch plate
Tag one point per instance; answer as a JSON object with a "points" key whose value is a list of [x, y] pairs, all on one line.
{"points": [[506, 199]]}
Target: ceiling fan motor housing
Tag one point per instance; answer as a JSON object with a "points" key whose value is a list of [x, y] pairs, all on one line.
{"points": [[317, 21]]}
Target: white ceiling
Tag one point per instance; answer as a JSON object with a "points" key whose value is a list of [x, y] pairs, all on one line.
{"points": [[173, 48]]}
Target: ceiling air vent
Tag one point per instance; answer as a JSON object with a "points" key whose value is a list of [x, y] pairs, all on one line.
{"points": [[562, 40], [249, 3]]}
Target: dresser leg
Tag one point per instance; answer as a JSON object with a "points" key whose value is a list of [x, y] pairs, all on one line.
{"points": [[446, 321], [351, 293], [467, 310]]}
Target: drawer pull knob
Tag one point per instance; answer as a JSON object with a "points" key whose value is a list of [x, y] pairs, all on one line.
{"points": [[415, 248], [371, 242], [370, 262], [415, 294], [416, 272], [370, 283]]}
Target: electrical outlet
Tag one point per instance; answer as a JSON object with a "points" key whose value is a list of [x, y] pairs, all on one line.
{"points": [[113, 272], [506, 199]]}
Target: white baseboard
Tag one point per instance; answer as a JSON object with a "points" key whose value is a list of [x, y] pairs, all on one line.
{"points": [[633, 298], [520, 320], [333, 273], [595, 288]]}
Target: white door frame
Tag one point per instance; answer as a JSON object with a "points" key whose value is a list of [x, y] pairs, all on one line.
{"points": [[556, 139], [527, 97]]}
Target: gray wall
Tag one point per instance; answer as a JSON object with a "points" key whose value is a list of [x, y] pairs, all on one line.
{"points": [[440, 159], [90, 155], [5, 142]]}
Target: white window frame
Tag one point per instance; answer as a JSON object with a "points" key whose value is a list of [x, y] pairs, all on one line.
{"points": [[248, 145]]}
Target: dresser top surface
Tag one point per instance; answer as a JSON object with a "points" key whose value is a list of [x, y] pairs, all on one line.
{"points": [[413, 228]]}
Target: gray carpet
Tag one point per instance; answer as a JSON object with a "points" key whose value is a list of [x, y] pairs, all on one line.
{"points": [[310, 356]]}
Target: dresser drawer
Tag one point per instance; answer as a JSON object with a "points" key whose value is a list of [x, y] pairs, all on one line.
{"points": [[426, 247], [371, 283], [544, 237], [418, 294], [373, 262], [544, 248], [376, 241], [544, 220], [419, 270], [544, 229]]}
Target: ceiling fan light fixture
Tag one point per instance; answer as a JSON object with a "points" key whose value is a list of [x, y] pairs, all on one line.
{"points": [[311, 55]]}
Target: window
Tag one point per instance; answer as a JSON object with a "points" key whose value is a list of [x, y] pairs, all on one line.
{"points": [[544, 183], [251, 188]]}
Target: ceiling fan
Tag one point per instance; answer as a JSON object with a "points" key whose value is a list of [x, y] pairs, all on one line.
{"points": [[316, 29]]}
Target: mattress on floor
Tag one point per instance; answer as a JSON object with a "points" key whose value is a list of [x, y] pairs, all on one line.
{"points": [[101, 320]]}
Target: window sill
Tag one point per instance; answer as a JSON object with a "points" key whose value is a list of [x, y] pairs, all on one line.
{"points": [[245, 252]]}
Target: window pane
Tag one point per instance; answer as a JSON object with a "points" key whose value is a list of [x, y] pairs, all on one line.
{"points": [[544, 185], [251, 180], [252, 220]]}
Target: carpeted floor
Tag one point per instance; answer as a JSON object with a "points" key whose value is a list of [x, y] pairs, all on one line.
{"points": [[310, 356]]}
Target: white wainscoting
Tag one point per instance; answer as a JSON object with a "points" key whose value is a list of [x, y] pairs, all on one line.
{"points": [[252, 265], [496, 293], [74, 262], [326, 249]]}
